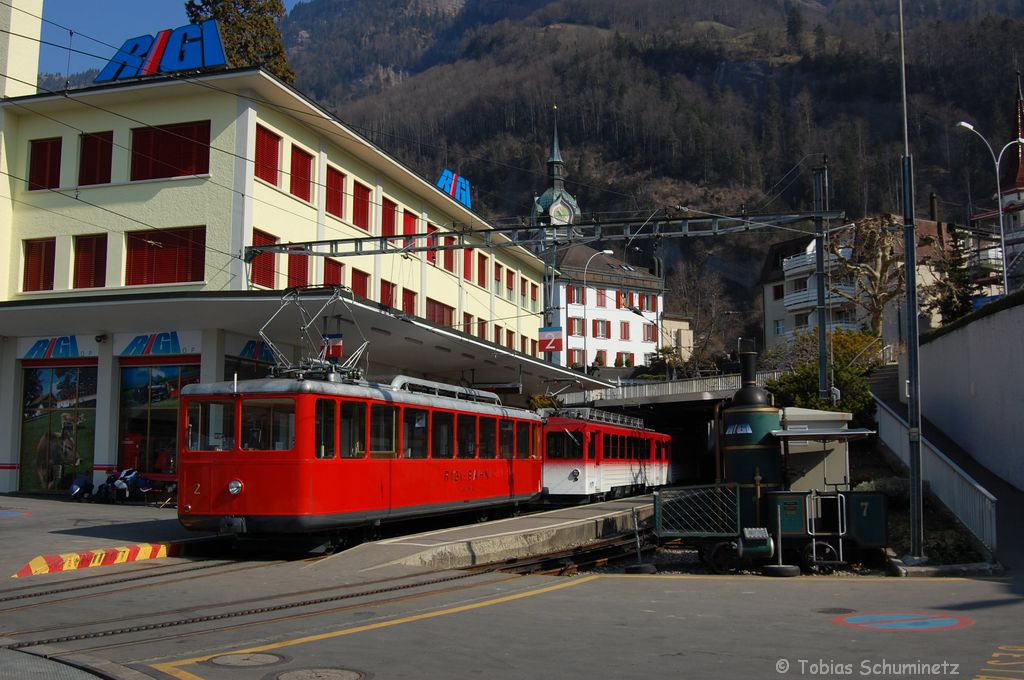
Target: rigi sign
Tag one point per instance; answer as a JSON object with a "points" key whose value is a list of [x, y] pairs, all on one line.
{"points": [[187, 48]]}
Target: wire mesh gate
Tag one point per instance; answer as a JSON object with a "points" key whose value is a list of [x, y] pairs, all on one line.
{"points": [[697, 512]]}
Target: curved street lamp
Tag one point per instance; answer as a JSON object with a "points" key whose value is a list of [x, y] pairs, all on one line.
{"points": [[999, 194], [585, 267]]}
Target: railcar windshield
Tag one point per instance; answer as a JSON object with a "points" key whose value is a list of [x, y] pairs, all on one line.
{"points": [[210, 425], [268, 424], [565, 444]]}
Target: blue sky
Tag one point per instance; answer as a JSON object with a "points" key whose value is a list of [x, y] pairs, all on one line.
{"points": [[101, 26]]}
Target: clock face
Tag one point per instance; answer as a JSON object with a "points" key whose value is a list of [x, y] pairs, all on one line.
{"points": [[560, 213]]}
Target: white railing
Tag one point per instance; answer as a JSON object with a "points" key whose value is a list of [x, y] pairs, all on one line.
{"points": [[972, 504], [718, 383]]}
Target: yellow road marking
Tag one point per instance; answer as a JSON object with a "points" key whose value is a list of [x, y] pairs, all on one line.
{"points": [[173, 668]]}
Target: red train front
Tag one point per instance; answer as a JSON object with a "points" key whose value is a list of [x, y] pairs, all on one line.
{"points": [[283, 455]]}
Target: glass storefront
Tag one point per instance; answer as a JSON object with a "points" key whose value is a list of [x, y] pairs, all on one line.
{"points": [[148, 422], [58, 426]]}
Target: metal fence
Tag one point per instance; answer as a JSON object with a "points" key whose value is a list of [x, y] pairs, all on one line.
{"points": [[696, 512], [718, 383], [970, 502]]}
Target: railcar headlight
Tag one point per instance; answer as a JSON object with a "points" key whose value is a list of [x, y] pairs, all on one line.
{"points": [[234, 487], [575, 475]]}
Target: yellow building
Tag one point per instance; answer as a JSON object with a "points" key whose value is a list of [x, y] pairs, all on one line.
{"points": [[128, 209]]}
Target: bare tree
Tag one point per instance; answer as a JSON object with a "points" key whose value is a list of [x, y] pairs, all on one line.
{"points": [[870, 258]]}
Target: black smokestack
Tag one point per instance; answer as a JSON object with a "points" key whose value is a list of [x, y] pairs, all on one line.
{"points": [[749, 394]]}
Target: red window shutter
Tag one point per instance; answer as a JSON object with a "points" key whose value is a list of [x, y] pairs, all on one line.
{"points": [[44, 164], [467, 264], [39, 258], [533, 291], [654, 303], [268, 151], [166, 256], [95, 152], [175, 150], [522, 287], [388, 218], [510, 279], [264, 265], [360, 283], [334, 273], [361, 206], [335, 200], [510, 339], [298, 270], [302, 174], [90, 261], [409, 222], [595, 334], [449, 255], [431, 243], [409, 301], [497, 272], [387, 293], [481, 270]]}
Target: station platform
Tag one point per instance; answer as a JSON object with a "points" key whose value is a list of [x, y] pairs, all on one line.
{"points": [[45, 536]]}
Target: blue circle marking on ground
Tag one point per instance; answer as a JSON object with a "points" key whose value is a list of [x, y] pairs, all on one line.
{"points": [[923, 621], [13, 513]]}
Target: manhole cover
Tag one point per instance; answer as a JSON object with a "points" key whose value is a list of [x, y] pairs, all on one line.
{"points": [[245, 659], [836, 610], [322, 674]]}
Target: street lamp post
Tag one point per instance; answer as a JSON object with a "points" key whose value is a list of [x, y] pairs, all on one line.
{"points": [[585, 267], [996, 159]]}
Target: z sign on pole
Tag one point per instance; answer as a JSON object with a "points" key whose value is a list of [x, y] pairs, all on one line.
{"points": [[550, 339]]}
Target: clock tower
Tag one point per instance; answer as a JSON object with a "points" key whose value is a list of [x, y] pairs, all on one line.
{"points": [[556, 206]]}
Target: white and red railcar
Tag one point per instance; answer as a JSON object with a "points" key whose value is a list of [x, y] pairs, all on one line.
{"points": [[285, 455], [594, 454]]}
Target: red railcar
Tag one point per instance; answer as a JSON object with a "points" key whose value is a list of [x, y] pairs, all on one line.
{"points": [[594, 454], [284, 455]]}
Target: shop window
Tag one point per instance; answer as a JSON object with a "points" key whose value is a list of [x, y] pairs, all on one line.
{"points": [[268, 154], [211, 425], [44, 164], [268, 424], [352, 427], [262, 271], [166, 256], [57, 427], [361, 206], [414, 433], [335, 199], [39, 262], [95, 150], [171, 150], [148, 423], [326, 430], [90, 261], [301, 184]]}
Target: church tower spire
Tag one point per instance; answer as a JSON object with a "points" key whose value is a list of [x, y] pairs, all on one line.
{"points": [[1016, 179], [556, 167]]}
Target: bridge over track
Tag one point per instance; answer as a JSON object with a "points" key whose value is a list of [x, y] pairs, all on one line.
{"points": [[672, 391]]}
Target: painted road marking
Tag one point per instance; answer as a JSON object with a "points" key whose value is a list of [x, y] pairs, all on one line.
{"points": [[173, 668], [14, 513], [916, 621], [49, 564]]}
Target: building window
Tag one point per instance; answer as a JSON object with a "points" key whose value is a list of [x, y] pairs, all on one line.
{"points": [[575, 326], [334, 273], [298, 270], [90, 261], [302, 174], [410, 222], [44, 164], [175, 150], [778, 291], [467, 323], [650, 332], [268, 154], [387, 293], [800, 284], [432, 244], [602, 357], [497, 278], [576, 358], [574, 295], [449, 254], [263, 270], [360, 283], [409, 301], [467, 264], [624, 359], [335, 198], [39, 258], [510, 284], [440, 313], [361, 206], [497, 334], [533, 297], [602, 300], [779, 326], [524, 344], [166, 256], [481, 329], [533, 348], [95, 150], [481, 270], [624, 330], [148, 422], [388, 218], [801, 321], [602, 328], [510, 339]]}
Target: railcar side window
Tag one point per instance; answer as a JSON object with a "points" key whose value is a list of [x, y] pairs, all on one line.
{"points": [[326, 432], [466, 436], [382, 431], [353, 429], [522, 439], [538, 441], [606, 446], [488, 438], [506, 438], [211, 425], [592, 447], [268, 424], [414, 432], [442, 434]]}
